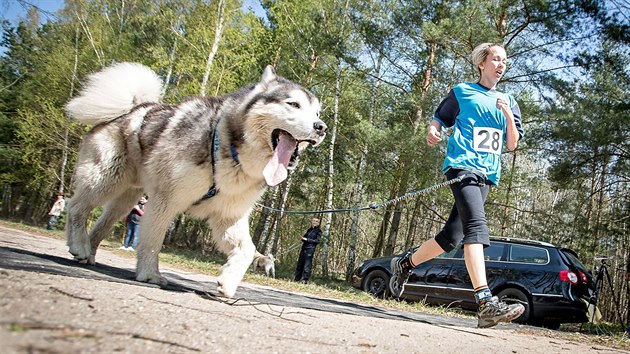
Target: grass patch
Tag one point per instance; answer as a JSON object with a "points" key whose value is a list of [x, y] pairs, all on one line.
{"points": [[17, 327], [56, 234], [606, 334], [601, 334], [189, 260]]}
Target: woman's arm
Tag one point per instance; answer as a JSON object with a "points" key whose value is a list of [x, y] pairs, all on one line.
{"points": [[511, 131]]}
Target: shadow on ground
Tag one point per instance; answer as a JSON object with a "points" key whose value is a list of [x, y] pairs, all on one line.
{"points": [[24, 260]]}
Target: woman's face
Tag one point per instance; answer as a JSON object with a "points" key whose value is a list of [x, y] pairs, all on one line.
{"points": [[493, 68]]}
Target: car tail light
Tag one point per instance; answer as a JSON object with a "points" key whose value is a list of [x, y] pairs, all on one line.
{"points": [[583, 277], [567, 275]]}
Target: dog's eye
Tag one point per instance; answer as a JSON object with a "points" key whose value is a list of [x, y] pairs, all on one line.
{"points": [[294, 104]]}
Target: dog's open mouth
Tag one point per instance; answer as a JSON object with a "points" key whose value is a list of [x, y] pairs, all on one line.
{"points": [[285, 156]]}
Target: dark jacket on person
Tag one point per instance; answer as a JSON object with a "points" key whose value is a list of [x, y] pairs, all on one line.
{"points": [[313, 235], [134, 215]]}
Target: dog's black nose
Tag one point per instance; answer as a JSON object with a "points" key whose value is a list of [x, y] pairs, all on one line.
{"points": [[320, 127]]}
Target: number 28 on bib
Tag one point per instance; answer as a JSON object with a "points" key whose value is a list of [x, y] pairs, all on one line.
{"points": [[487, 140]]}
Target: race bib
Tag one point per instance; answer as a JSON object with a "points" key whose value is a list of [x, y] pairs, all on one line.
{"points": [[487, 140]]}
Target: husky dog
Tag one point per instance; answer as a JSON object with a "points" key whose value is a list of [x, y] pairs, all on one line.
{"points": [[266, 263], [210, 157]]}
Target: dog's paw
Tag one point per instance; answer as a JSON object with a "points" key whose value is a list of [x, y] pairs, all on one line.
{"points": [[91, 260], [153, 279], [226, 288], [82, 255], [81, 260]]}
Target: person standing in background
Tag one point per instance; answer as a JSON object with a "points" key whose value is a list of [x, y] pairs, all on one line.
{"points": [[309, 241], [56, 210], [133, 225]]}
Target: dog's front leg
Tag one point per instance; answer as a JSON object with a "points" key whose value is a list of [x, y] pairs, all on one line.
{"points": [[237, 244], [153, 226]]}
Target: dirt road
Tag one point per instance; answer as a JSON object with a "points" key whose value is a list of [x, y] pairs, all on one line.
{"points": [[49, 304]]}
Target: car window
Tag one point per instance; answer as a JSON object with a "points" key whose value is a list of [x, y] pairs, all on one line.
{"points": [[494, 252], [575, 261], [528, 254]]}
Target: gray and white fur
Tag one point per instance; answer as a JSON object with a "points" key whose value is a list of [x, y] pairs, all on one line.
{"points": [[140, 145], [264, 263]]}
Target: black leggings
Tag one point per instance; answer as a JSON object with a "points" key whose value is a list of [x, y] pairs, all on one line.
{"points": [[467, 220]]}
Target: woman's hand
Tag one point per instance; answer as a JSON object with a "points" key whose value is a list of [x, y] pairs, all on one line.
{"points": [[503, 105], [433, 135], [512, 133]]}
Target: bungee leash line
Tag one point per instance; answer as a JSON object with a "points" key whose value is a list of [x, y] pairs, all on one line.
{"points": [[372, 206], [291, 248]]}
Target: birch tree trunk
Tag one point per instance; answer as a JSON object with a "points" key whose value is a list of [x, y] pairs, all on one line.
{"points": [[262, 227], [215, 46], [358, 184], [169, 72], [283, 202], [86, 29], [331, 169]]}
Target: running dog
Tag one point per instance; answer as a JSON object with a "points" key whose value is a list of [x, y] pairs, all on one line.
{"points": [[211, 157], [266, 263]]}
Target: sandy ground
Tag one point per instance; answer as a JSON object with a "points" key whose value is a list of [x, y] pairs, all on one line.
{"points": [[48, 304]]}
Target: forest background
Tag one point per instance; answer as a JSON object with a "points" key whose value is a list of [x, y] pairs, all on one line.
{"points": [[380, 69]]}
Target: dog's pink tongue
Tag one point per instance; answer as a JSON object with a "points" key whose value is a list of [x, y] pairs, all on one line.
{"points": [[276, 169]]}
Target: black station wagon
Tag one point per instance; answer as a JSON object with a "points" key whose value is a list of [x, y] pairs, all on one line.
{"points": [[551, 282]]}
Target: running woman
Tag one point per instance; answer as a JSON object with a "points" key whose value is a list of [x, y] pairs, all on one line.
{"points": [[483, 119]]}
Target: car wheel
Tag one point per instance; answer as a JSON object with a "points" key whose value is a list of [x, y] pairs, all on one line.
{"points": [[376, 283], [513, 295]]}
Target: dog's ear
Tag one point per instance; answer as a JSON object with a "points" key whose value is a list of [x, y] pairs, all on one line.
{"points": [[269, 74]]}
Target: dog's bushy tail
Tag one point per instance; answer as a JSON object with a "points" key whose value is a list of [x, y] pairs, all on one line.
{"points": [[114, 91]]}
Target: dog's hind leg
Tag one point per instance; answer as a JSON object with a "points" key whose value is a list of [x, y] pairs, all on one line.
{"points": [[113, 211], [237, 244], [79, 210], [270, 270], [101, 168]]}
